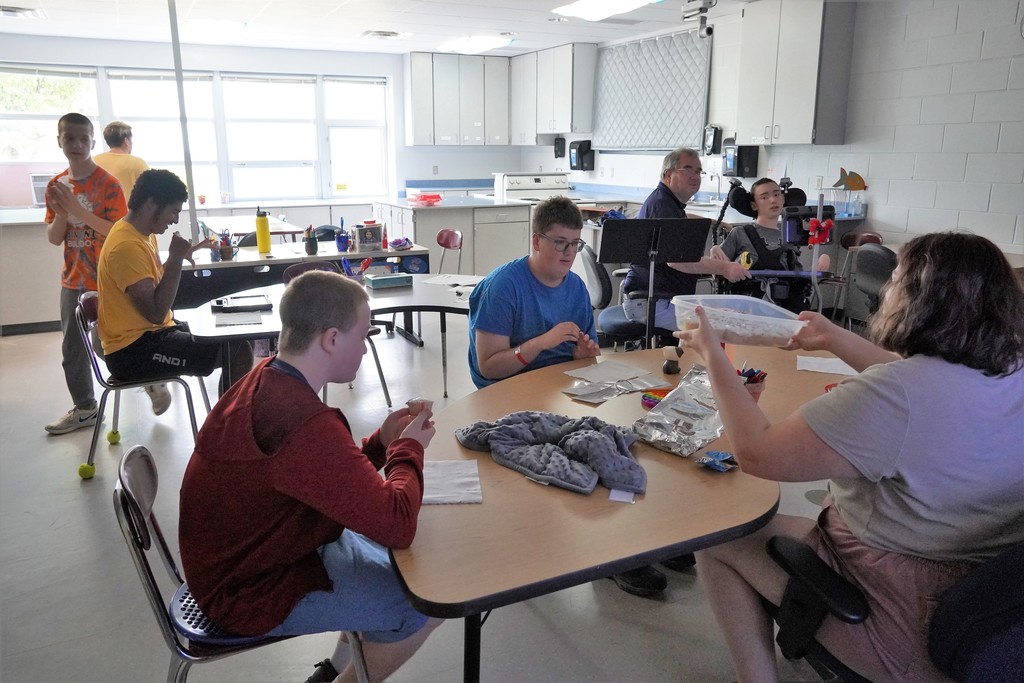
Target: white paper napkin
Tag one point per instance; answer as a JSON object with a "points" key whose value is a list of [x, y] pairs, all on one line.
{"points": [[451, 481]]}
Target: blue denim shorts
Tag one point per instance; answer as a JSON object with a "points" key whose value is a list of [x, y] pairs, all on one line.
{"points": [[367, 596]]}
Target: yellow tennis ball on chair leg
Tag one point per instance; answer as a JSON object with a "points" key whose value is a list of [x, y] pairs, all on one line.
{"points": [[86, 471], [113, 436]]}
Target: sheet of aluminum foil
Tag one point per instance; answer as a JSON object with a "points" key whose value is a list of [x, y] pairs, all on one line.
{"points": [[597, 393], [685, 420]]}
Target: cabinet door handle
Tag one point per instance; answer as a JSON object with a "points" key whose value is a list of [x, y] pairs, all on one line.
{"points": [[767, 133], [778, 132]]}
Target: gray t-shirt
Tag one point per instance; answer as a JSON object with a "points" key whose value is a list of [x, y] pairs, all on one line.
{"points": [[736, 242], [941, 450]]}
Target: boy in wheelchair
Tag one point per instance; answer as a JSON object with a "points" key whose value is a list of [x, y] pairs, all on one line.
{"points": [[760, 246]]}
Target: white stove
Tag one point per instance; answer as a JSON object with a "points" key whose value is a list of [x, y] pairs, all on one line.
{"points": [[532, 187]]}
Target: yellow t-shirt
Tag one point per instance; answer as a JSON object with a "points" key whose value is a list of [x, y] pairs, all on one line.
{"points": [[125, 167], [128, 257]]}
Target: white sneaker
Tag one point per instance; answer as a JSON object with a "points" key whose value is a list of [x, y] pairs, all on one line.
{"points": [[72, 420], [160, 397]]}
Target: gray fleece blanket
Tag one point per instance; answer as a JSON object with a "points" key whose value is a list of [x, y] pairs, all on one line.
{"points": [[554, 449]]}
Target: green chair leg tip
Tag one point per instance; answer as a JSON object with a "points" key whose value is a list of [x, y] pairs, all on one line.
{"points": [[86, 471], [113, 436]]}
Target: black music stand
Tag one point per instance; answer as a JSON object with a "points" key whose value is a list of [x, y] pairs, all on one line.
{"points": [[655, 240]]}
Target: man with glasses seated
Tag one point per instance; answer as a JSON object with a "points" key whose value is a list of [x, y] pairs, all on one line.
{"points": [[533, 312], [681, 174]]}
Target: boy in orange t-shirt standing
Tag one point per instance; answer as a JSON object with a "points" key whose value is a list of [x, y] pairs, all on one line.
{"points": [[82, 203]]}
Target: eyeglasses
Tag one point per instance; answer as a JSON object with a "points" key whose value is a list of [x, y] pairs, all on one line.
{"points": [[689, 170], [563, 245]]}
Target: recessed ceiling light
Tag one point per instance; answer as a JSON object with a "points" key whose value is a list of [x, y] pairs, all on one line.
{"points": [[596, 10], [11, 12], [385, 35]]}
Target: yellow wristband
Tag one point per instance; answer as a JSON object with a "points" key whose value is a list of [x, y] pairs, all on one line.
{"points": [[519, 354]]}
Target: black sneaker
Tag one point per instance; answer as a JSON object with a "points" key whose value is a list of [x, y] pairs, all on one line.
{"points": [[644, 582], [324, 673], [680, 563]]}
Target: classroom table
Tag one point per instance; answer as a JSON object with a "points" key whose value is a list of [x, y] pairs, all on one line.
{"points": [[243, 225], [527, 540], [208, 279], [420, 297]]}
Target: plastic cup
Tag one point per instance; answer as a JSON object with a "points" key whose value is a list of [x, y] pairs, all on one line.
{"points": [[755, 390]]}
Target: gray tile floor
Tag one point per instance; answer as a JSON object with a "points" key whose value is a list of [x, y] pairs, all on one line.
{"points": [[71, 608]]}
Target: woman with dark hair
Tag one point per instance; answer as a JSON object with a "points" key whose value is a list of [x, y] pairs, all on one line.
{"points": [[923, 450]]}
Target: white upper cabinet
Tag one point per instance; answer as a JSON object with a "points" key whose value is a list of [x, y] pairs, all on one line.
{"points": [[495, 98], [471, 99], [784, 69], [419, 99], [456, 99], [447, 130], [565, 88], [523, 99]]}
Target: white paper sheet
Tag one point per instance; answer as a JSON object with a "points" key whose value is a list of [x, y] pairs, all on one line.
{"points": [[830, 365], [452, 279], [244, 318], [451, 481], [608, 371]]}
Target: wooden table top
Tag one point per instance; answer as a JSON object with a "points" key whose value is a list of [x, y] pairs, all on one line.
{"points": [[527, 539]]}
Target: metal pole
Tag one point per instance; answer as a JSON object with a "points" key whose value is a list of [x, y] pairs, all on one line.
{"points": [[176, 51]]}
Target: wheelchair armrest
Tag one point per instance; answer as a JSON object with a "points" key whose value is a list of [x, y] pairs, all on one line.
{"points": [[642, 294], [840, 597], [620, 272]]}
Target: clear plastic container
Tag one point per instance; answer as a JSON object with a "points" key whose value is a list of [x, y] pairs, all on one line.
{"points": [[738, 319]]}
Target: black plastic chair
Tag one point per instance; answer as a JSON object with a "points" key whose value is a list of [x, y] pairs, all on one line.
{"points": [[873, 265], [247, 240], [190, 636], [86, 317], [976, 634]]}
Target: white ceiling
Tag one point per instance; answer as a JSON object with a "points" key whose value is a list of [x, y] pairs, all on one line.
{"points": [[339, 24]]}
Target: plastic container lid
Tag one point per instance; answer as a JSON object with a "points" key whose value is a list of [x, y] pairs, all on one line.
{"points": [[739, 319]]}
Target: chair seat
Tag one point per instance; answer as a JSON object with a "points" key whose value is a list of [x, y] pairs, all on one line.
{"points": [[613, 323], [190, 622]]}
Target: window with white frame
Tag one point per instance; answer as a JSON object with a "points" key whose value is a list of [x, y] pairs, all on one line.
{"points": [[31, 101], [355, 113], [251, 137]]}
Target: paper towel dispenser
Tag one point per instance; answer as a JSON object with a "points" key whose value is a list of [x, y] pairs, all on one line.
{"points": [[581, 157]]}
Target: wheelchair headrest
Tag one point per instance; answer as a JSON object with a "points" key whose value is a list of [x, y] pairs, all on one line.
{"points": [[741, 200]]}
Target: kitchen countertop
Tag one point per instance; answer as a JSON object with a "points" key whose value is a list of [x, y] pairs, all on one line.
{"points": [[453, 203]]}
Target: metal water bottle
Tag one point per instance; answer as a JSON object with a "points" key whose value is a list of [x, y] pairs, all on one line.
{"points": [[262, 231]]}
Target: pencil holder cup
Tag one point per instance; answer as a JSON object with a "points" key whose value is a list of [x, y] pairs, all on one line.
{"points": [[756, 389], [214, 254], [227, 253], [311, 246]]}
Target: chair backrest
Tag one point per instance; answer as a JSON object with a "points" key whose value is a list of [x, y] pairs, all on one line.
{"points": [[247, 240], [874, 267], [87, 315], [297, 269], [977, 632], [134, 495], [855, 239], [324, 233], [598, 281], [449, 239]]}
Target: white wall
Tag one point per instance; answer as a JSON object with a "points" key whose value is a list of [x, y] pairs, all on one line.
{"points": [[935, 125]]}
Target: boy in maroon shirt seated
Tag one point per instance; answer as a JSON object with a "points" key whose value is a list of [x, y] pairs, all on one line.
{"points": [[284, 521]]}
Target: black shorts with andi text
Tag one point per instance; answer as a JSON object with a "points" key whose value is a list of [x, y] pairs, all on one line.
{"points": [[164, 353]]}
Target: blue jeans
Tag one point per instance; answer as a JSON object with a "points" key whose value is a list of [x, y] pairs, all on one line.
{"points": [[367, 596]]}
